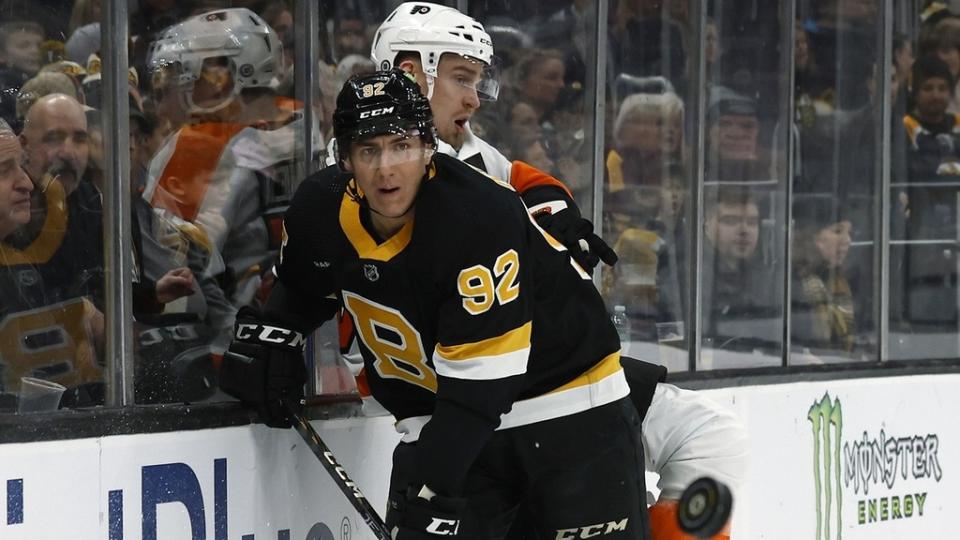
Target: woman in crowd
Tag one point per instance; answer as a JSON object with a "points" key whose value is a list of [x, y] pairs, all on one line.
{"points": [[823, 312]]}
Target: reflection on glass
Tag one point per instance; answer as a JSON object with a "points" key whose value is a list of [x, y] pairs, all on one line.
{"points": [[213, 163], [740, 288], [924, 294], [835, 184], [742, 272]]}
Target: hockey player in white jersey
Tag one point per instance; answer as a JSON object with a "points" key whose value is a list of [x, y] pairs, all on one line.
{"points": [[227, 171], [685, 434]]}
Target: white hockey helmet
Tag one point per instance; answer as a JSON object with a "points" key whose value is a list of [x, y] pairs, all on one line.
{"points": [[253, 51], [433, 30]]}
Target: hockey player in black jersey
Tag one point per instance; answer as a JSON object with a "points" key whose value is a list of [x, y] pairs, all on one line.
{"points": [[479, 333]]}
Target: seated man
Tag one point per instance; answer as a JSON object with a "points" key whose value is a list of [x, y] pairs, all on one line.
{"points": [[740, 292], [734, 151], [48, 329]]}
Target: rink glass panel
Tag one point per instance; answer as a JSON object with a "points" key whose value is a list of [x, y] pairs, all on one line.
{"points": [[641, 160]]}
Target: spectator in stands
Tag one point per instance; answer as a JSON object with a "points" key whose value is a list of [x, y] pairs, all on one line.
{"points": [[61, 247], [648, 131], [20, 47], [533, 150], [741, 293], [15, 185], [734, 152], [822, 303], [903, 59], [539, 78], [349, 36], [944, 43], [19, 60], [933, 132], [84, 12], [44, 84], [522, 119]]}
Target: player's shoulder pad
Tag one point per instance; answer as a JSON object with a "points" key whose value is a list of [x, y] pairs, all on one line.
{"points": [[325, 185], [474, 195]]}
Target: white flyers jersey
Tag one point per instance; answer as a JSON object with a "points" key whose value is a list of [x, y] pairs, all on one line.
{"points": [[687, 435], [479, 153]]}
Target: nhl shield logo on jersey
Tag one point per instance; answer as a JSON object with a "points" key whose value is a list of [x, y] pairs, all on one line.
{"points": [[370, 272]]}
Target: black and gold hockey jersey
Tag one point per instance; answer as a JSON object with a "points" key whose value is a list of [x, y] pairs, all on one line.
{"points": [[470, 318], [46, 286]]}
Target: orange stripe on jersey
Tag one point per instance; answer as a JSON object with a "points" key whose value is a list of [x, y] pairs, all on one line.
{"points": [[363, 385], [345, 330], [186, 176], [603, 369], [512, 341], [524, 176]]}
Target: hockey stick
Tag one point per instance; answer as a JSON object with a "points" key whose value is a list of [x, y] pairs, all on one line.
{"points": [[329, 462]]}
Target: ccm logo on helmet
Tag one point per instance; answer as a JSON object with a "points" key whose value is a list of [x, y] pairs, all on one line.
{"points": [[592, 530], [270, 334], [376, 112]]}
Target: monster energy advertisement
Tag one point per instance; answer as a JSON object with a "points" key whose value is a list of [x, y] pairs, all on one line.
{"points": [[856, 472]]}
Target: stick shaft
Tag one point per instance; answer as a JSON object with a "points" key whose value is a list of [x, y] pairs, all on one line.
{"points": [[340, 477]]}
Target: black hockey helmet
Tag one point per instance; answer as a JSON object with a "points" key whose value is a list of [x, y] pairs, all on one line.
{"points": [[380, 103]]}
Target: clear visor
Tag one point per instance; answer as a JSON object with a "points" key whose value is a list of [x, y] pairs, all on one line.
{"points": [[474, 75], [389, 149]]}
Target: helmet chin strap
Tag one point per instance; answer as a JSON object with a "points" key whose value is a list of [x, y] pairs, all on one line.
{"points": [[430, 80]]}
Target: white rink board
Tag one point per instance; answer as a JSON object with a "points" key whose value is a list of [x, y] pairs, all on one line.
{"points": [[249, 483], [780, 493]]}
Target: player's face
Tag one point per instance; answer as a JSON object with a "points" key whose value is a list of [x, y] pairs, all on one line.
{"points": [[455, 97], [734, 229], [15, 187], [389, 169]]}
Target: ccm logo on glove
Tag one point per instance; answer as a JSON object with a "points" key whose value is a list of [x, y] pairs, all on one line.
{"points": [[444, 527], [270, 334]]}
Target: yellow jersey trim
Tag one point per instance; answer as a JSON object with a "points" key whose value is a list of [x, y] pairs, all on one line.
{"points": [[366, 246], [603, 369], [512, 341], [495, 358]]}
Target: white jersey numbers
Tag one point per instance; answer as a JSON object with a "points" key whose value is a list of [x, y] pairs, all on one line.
{"points": [[480, 287]]}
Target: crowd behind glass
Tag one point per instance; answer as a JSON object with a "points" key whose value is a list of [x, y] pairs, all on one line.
{"points": [[212, 168]]}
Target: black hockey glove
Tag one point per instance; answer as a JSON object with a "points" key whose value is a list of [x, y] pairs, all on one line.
{"points": [[576, 233], [421, 519], [264, 365]]}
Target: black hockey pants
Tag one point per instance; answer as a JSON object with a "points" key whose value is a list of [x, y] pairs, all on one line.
{"points": [[577, 476]]}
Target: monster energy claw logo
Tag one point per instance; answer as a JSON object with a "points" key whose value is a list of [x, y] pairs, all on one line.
{"points": [[827, 420]]}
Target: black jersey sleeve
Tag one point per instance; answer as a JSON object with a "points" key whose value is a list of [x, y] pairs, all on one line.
{"points": [[304, 266], [483, 336]]}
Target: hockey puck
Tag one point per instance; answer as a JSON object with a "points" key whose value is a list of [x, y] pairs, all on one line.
{"points": [[704, 507]]}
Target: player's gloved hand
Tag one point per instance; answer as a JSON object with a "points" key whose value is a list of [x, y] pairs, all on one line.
{"points": [[576, 233], [424, 515], [264, 366]]}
